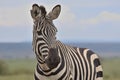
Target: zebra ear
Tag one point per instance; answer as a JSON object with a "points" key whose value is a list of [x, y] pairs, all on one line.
{"points": [[55, 12], [35, 12]]}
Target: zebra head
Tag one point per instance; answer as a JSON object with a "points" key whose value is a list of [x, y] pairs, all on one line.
{"points": [[44, 31]]}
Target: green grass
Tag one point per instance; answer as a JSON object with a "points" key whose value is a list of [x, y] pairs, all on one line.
{"points": [[20, 66], [23, 69], [111, 68], [19, 69], [17, 77]]}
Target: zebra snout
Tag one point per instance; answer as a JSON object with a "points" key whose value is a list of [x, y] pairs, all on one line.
{"points": [[52, 62], [53, 59]]}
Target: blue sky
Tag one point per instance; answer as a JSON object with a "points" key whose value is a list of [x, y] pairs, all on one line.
{"points": [[79, 20]]}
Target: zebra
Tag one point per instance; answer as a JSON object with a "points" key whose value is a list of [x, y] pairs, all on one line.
{"points": [[56, 60]]}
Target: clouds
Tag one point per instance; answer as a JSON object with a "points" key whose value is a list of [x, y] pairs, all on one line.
{"points": [[108, 17], [15, 24], [93, 3], [103, 17], [15, 34], [66, 15], [20, 15], [104, 26], [78, 20], [16, 21], [14, 16]]}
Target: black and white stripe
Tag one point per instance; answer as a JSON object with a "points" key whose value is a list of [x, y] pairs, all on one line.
{"points": [[57, 61]]}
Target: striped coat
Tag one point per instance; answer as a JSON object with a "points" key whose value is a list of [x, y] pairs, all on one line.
{"points": [[55, 60], [75, 64]]}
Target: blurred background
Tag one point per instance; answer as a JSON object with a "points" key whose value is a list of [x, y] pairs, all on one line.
{"points": [[84, 23]]}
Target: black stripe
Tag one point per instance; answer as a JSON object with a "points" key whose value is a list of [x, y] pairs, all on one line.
{"points": [[73, 56], [35, 77], [89, 53], [97, 62], [81, 52], [39, 49], [39, 60], [99, 74], [77, 70], [80, 71], [62, 64], [39, 32], [40, 72], [86, 67], [94, 73], [63, 75]]}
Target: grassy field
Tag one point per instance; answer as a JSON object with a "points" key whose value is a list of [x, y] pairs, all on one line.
{"points": [[111, 68], [22, 69], [19, 69]]}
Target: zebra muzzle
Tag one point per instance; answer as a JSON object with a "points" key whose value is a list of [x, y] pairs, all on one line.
{"points": [[53, 59]]}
